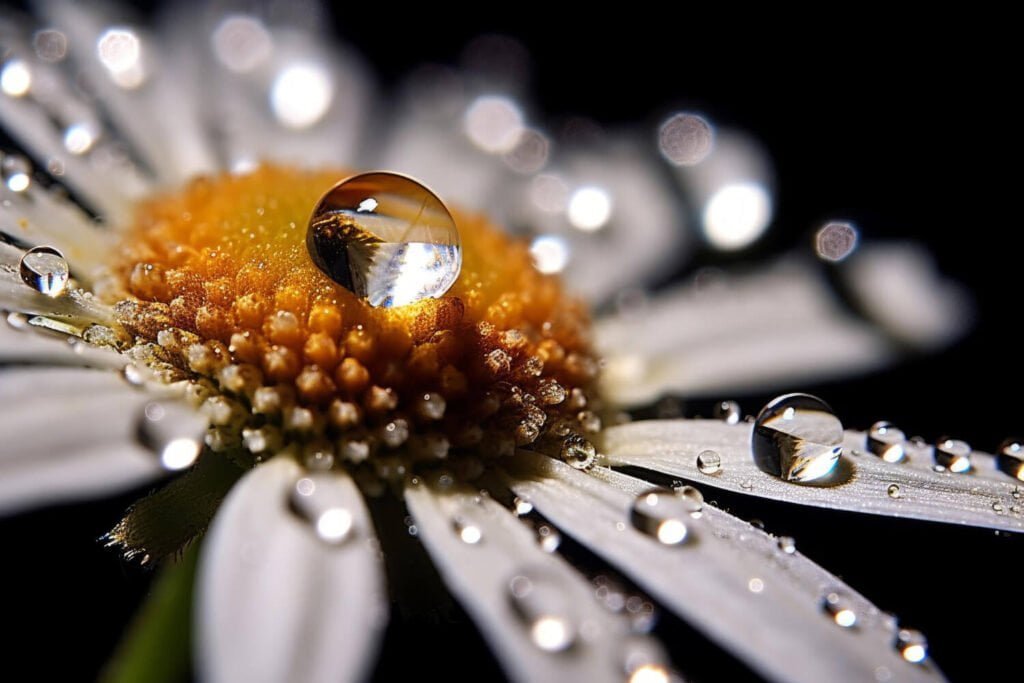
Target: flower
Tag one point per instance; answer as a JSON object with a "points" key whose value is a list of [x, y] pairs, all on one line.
{"points": [[260, 560]]}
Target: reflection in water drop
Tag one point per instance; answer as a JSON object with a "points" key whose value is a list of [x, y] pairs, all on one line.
{"points": [[1010, 459], [954, 455], [662, 515], [728, 411], [44, 270], [912, 645], [886, 441], [709, 462], [541, 602], [317, 499], [797, 438], [172, 431], [840, 608], [386, 238]]}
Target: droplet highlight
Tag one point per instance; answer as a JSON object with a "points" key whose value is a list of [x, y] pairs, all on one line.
{"points": [[173, 432], [386, 238], [886, 441], [797, 438], [1010, 459], [912, 645], [45, 270], [840, 608], [728, 412], [318, 499], [541, 602], [954, 455], [662, 515]]}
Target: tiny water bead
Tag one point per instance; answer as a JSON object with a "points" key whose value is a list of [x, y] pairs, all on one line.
{"points": [[953, 454], [1010, 459], [840, 608], [893, 491], [316, 499], [886, 441], [709, 462], [662, 515], [912, 645], [386, 238], [797, 437], [45, 270], [172, 431], [541, 602], [728, 411]]}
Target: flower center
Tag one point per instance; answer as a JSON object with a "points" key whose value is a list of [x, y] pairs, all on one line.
{"points": [[218, 276]]}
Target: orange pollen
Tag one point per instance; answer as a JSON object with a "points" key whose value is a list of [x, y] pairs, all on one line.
{"points": [[217, 276]]}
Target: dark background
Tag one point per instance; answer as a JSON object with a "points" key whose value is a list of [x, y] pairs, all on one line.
{"points": [[894, 124]]}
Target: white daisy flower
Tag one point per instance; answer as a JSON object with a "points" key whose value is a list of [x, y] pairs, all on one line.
{"points": [[209, 296]]}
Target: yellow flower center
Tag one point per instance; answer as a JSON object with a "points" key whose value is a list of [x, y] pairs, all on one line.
{"points": [[218, 275]]}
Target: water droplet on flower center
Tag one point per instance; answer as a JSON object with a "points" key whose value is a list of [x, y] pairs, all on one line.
{"points": [[44, 270], [797, 438], [386, 238]]}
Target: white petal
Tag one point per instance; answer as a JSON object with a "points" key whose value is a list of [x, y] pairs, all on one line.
{"points": [[728, 580], [68, 434], [275, 602], [480, 548], [984, 497], [762, 329], [29, 346]]}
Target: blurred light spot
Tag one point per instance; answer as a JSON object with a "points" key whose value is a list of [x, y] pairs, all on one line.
{"points": [[551, 634], [243, 165], [549, 193], [590, 208], [180, 453], [755, 585], [305, 486], [79, 138], [550, 253], [120, 51], [736, 215], [835, 241], [650, 673], [685, 139], [50, 45], [241, 42], [15, 80], [494, 123], [530, 153], [334, 524], [301, 95], [16, 173], [470, 534]]}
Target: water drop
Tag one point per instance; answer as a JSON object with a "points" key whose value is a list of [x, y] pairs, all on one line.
{"points": [[521, 506], [317, 499], [386, 238], [1010, 459], [692, 499], [172, 431], [912, 645], [16, 172], [839, 607], [786, 544], [44, 270], [468, 533], [728, 411], [954, 455], [644, 660], [709, 462], [660, 514], [541, 602], [548, 538], [886, 441], [797, 438], [577, 451], [894, 491]]}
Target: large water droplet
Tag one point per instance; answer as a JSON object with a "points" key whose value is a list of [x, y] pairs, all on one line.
{"points": [[663, 515], [173, 432], [1010, 458], [709, 462], [44, 270], [318, 499], [387, 238], [840, 608], [954, 455], [796, 437], [886, 441], [912, 645], [541, 602]]}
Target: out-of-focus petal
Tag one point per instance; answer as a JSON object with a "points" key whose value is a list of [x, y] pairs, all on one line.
{"points": [[277, 601], [982, 497], [26, 346], [728, 579]]}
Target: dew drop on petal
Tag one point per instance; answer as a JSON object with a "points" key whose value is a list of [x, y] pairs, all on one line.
{"points": [[709, 462], [44, 270], [548, 538], [912, 645], [797, 438], [692, 499], [953, 454], [386, 238], [16, 172], [893, 491], [644, 660], [316, 499], [541, 602], [577, 451], [786, 544], [840, 608], [468, 533], [886, 441], [15, 78], [1010, 459], [661, 515], [728, 411], [521, 506], [172, 431]]}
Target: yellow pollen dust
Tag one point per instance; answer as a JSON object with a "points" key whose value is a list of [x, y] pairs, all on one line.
{"points": [[218, 275]]}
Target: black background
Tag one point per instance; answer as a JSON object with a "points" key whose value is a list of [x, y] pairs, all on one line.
{"points": [[900, 125]]}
